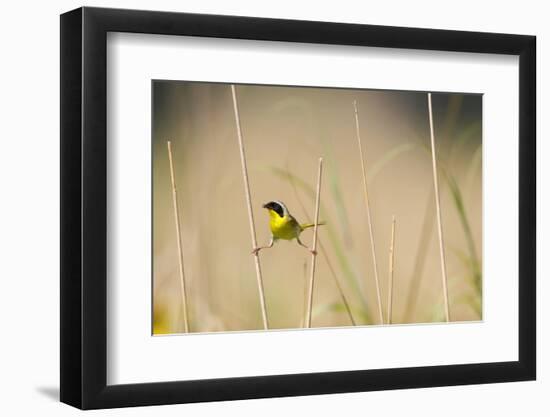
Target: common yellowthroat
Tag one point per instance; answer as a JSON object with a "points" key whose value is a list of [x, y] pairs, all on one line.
{"points": [[283, 225]]}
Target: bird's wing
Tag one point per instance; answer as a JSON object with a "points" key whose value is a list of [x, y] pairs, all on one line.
{"points": [[294, 223]]}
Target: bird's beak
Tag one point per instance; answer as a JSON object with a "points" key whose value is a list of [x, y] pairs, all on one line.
{"points": [[265, 205]]}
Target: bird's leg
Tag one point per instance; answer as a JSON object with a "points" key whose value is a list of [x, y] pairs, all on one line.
{"points": [[270, 244], [313, 252]]}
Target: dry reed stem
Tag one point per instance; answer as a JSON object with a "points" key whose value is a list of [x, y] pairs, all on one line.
{"points": [[303, 324], [369, 219], [249, 206], [327, 259], [178, 236], [314, 247], [390, 274], [438, 212]]}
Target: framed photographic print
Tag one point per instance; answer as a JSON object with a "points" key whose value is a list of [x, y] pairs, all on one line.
{"points": [[258, 208]]}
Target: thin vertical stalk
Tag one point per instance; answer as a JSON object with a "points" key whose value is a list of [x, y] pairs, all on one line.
{"points": [[304, 316], [390, 273], [249, 205], [178, 236], [314, 247], [438, 212], [325, 254], [369, 219]]}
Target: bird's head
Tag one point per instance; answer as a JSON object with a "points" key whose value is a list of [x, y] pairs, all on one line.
{"points": [[276, 207]]}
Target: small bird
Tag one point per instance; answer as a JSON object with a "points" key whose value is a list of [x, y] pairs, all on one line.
{"points": [[283, 225]]}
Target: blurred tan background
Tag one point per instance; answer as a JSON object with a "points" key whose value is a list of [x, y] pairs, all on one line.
{"points": [[286, 130]]}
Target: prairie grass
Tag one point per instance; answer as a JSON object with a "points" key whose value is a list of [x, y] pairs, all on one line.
{"points": [[185, 312], [284, 130], [314, 246], [248, 196]]}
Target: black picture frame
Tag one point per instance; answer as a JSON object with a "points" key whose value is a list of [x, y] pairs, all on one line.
{"points": [[84, 207]]}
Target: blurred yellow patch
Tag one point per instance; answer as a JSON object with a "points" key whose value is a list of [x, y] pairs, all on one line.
{"points": [[161, 324]]}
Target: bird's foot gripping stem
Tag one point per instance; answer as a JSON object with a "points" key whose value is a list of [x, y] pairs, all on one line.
{"points": [[259, 248]]}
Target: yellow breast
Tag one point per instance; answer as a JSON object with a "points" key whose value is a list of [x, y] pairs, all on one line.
{"points": [[283, 227]]}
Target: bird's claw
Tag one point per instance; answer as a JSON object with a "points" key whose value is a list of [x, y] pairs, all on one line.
{"points": [[255, 251], [313, 251]]}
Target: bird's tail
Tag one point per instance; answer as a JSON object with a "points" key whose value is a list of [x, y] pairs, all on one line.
{"points": [[308, 225]]}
